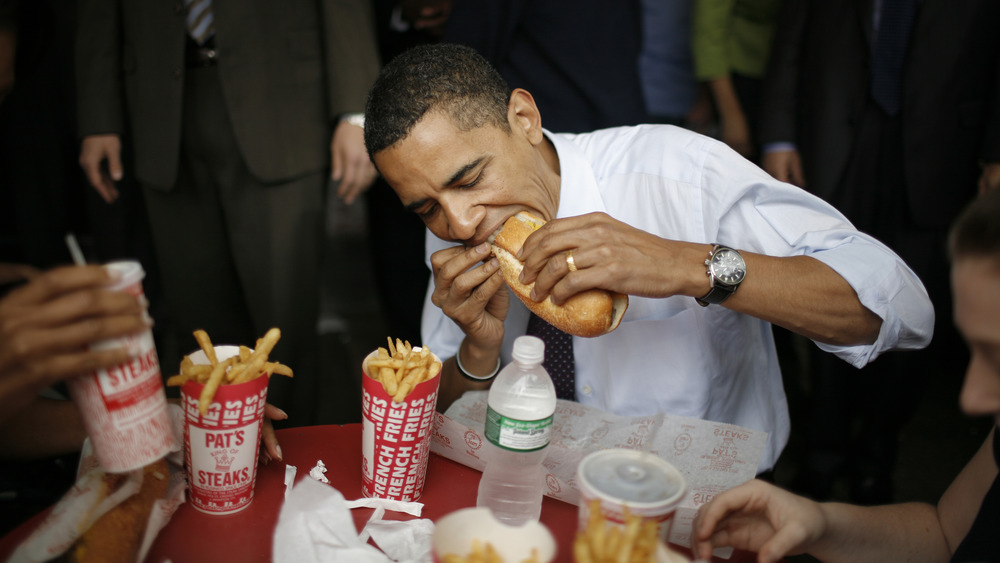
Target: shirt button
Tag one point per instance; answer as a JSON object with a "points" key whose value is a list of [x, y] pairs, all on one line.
{"points": [[586, 390]]}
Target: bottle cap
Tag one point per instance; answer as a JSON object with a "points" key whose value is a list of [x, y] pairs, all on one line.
{"points": [[529, 350]]}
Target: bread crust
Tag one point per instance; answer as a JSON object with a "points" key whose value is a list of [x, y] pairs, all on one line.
{"points": [[116, 536], [590, 313]]}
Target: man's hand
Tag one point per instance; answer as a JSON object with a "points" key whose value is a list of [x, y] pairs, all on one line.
{"points": [[46, 325], [990, 177], [785, 166], [472, 295], [351, 166], [610, 255], [95, 150]]}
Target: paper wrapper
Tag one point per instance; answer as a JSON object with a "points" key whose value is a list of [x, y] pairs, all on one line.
{"points": [[712, 456], [221, 446], [124, 408], [395, 438], [455, 532], [80, 506]]}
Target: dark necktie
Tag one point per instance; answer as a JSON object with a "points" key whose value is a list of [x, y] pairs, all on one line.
{"points": [[558, 356], [895, 22]]}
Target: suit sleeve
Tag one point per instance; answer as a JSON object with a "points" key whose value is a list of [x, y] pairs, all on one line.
{"points": [[779, 95], [98, 64], [351, 52]]}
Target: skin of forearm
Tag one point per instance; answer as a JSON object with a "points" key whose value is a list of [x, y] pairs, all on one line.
{"points": [[901, 532], [46, 428], [805, 296]]}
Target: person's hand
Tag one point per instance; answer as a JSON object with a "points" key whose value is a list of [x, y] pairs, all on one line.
{"points": [[760, 517], [351, 165], [269, 441], [426, 15], [785, 166], [608, 254], [11, 272], [47, 324], [736, 133], [472, 295], [95, 150], [989, 179]]}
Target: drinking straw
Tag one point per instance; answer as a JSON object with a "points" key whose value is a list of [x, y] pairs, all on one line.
{"points": [[74, 250]]}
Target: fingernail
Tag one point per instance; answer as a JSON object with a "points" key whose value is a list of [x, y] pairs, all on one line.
{"points": [[280, 457], [533, 296], [495, 263], [117, 174], [284, 414], [520, 252], [483, 249]]}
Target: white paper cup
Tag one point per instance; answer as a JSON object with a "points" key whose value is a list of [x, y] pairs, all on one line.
{"points": [[454, 534], [647, 485], [124, 408], [222, 445], [395, 438]]}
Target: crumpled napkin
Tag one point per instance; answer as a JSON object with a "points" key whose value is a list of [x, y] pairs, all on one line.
{"points": [[315, 524]]}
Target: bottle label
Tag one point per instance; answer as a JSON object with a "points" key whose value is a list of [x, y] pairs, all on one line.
{"points": [[517, 435]]}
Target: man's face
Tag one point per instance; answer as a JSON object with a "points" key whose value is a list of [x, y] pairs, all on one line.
{"points": [[976, 290], [465, 184]]}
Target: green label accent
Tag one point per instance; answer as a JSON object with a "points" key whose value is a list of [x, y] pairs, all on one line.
{"points": [[517, 435]]}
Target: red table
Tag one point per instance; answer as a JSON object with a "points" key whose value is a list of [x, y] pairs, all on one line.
{"points": [[192, 536]]}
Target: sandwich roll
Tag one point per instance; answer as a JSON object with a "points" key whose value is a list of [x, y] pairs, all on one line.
{"points": [[117, 535], [591, 313]]}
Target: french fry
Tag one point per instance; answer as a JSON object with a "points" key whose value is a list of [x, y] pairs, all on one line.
{"points": [[635, 541], [214, 380], [206, 345], [245, 366], [485, 553], [400, 367]]}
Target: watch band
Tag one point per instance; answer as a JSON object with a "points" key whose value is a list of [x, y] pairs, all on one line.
{"points": [[716, 295]]}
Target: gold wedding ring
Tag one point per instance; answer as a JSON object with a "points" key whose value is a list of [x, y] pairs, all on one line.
{"points": [[570, 263]]}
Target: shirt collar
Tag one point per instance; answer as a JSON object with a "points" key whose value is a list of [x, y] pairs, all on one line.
{"points": [[578, 191]]}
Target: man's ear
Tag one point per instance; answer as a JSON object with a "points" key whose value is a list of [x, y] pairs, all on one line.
{"points": [[523, 115]]}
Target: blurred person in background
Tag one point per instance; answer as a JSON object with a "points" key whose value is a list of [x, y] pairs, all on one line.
{"points": [[731, 42], [890, 111], [775, 523], [240, 112], [580, 61]]}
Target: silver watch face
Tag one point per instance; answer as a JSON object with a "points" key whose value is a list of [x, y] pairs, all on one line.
{"points": [[728, 266]]}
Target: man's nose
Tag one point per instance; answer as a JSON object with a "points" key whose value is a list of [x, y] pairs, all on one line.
{"points": [[463, 221]]}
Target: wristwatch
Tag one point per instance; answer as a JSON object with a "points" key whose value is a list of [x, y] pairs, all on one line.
{"points": [[726, 270]]}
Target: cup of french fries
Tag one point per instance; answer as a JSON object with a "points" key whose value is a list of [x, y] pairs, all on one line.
{"points": [[473, 535], [398, 395], [223, 393], [636, 540]]}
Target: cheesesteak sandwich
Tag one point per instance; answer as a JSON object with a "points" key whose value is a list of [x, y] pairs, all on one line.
{"points": [[591, 313]]}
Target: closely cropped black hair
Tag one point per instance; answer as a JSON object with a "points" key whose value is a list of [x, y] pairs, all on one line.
{"points": [[976, 232], [445, 77]]}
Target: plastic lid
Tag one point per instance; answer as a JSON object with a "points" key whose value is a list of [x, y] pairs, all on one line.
{"points": [[529, 350], [632, 477]]}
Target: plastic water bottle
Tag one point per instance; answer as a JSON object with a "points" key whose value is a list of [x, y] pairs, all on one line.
{"points": [[521, 402]]}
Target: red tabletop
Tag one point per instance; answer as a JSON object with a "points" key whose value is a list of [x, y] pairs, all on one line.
{"points": [[192, 536]]}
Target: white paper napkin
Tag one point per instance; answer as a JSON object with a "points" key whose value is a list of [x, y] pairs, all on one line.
{"points": [[315, 524]]}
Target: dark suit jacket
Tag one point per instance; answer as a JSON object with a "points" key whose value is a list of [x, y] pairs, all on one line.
{"points": [[580, 60], [818, 86], [288, 69]]}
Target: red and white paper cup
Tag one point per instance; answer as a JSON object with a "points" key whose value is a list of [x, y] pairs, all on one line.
{"points": [[395, 437], [221, 446], [646, 484], [124, 408]]}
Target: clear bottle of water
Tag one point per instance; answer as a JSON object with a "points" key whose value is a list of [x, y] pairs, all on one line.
{"points": [[521, 403]]}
